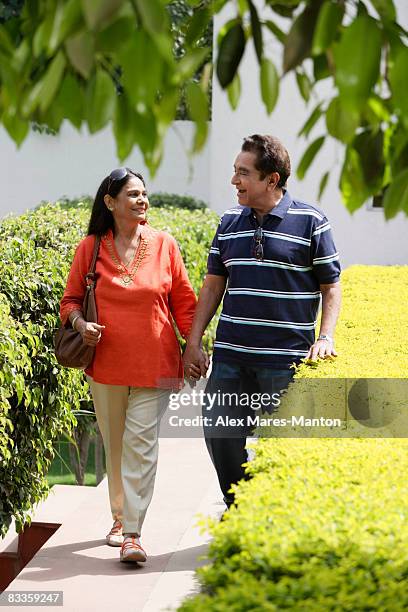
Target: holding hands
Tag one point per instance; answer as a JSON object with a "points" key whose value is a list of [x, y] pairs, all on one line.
{"points": [[195, 362]]}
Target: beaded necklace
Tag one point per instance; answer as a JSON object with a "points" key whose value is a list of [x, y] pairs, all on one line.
{"points": [[127, 274]]}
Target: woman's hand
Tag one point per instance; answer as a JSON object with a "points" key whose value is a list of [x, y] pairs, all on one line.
{"points": [[91, 332]]}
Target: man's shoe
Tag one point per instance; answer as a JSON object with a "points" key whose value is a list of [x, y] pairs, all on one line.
{"points": [[131, 551], [115, 536]]}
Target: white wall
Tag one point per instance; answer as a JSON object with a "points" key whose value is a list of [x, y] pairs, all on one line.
{"points": [[73, 164], [364, 237]]}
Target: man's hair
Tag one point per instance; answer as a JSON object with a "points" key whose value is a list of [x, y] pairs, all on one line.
{"points": [[271, 156]]}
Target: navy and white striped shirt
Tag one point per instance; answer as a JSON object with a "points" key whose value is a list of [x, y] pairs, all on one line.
{"points": [[270, 306]]}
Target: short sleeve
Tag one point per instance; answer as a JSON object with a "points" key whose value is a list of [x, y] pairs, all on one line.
{"points": [[215, 264], [325, 258]]}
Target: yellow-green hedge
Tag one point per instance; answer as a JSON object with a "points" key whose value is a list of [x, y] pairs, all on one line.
{"points": [[322, 524], [372, 331]]}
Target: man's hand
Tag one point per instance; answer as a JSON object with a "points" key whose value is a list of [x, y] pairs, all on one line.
{"points": [[323, 349], [195, 362]]}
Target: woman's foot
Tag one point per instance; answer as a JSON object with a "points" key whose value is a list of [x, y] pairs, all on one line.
{"points": [[115, 536], [131, 551]]}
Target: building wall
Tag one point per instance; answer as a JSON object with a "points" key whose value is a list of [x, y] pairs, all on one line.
{"points": [[74, 163], [364, 237]]}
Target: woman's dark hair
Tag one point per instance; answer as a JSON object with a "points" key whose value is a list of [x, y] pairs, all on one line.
{"points": [[101, 218], [271, 156]]}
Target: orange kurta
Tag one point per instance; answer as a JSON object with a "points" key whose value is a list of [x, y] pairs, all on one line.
{"points": [[138, 347]]}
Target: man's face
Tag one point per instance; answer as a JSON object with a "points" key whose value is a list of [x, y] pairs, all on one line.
{"points": [[251, 190]]}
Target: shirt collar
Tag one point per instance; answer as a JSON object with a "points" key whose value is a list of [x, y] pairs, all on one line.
{"points": [[279, 211]]}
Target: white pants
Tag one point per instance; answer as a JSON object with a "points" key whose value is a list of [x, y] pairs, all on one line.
{"points": [[129, 420]]}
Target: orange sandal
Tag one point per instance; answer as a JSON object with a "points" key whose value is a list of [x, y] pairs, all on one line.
{"points": [[131, 551], [115, 536]]}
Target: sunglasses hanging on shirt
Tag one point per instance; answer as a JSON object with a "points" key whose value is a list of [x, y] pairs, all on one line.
{"points": [[259, 239]]}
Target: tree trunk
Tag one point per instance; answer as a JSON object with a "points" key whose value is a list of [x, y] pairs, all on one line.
{"points": [[79, 467]]}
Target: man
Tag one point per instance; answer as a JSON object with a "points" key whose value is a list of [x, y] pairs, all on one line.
{"points": [[274, 259]]}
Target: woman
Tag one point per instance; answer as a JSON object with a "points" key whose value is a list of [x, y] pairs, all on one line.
{"points": [[141, 286]]}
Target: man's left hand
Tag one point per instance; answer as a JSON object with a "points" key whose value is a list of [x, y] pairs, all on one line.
{"points": [[323, 349]]}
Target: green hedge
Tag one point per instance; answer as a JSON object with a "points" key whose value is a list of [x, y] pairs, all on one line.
{"points": [[322, 524], [37, 396], [156, 200], [168, 200]]}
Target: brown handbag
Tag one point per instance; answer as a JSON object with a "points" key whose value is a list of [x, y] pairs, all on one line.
{"points": [[70, 350]]}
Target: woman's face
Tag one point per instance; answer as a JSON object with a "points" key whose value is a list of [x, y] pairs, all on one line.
{"points": [[131, 203]]}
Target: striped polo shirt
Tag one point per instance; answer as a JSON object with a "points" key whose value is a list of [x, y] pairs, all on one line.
{"points": [[270, 306]]}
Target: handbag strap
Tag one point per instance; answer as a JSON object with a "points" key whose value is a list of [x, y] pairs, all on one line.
{"points": [[90, 277]]}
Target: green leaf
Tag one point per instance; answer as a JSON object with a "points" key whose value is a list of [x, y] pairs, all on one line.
{"points": [[256, 30], [323, 184], [17, 128], [139, 57], [6, 44], [198, 24], [234, 91], [197, 102], [309, 156], [200, 136], [230, 52], [299, 39], [80, 51], [101, 97], [357, 58], [385, 8], [370, 147], [191, 62], [311, 121], [353, 188], [71, 99], [51, 81], [396, 195], [166, 108], [43, 32], [398, 80], [341, 122], [269, 84], [124, 127], [280, 34], [100, 12], [328, 22], [116, 35], [153, 15], [321, 68], [68, 18], [304, 84]]}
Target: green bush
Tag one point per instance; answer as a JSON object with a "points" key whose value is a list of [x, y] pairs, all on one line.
{"points": [[322, 524], [37, 396], [156, 200], [168, 200]]}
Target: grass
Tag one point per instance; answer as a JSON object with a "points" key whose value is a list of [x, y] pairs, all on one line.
{"points": [[61, 472]]}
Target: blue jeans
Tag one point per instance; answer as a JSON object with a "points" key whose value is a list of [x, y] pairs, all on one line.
{"points": [[234, 389]]}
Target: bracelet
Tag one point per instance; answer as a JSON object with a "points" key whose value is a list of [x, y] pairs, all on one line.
{"points": [[74, 321], [325, 337]]}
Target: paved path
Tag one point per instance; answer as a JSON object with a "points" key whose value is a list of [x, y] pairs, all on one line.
{"points": [[76, 560]]}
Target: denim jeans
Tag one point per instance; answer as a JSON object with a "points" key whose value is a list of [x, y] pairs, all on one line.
{"points": [[235, 391]]}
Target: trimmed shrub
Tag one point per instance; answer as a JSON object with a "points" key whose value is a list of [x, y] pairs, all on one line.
{"points": [[156, 200], [322, 524], [38, 397], [174, 200]]}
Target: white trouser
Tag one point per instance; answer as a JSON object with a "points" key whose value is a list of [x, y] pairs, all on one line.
{"points": [[129, 420]]}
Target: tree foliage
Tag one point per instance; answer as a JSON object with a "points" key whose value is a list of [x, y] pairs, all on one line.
{"points": [[136, 63]]}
